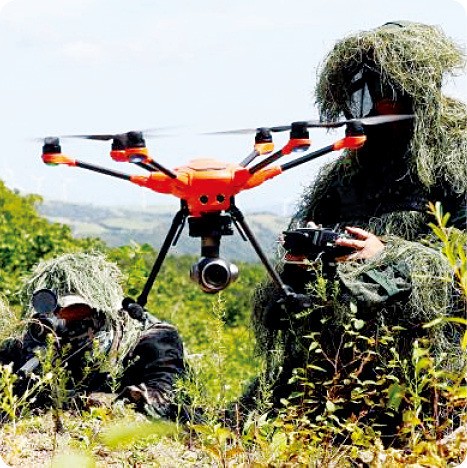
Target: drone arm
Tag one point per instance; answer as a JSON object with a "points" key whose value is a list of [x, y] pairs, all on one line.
{"points": [[159, 167], [267, 161], [103, 170], [159, 182], [140, 157], [55, 159], [292, 145], [262, 176], [349, 142], [307, 157], [255, 153]]}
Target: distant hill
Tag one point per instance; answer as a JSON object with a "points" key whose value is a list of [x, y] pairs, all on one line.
{"points": [[121, 225]]}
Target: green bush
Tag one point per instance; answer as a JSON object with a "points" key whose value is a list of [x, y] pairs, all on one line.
{"points": [[26, 238]]}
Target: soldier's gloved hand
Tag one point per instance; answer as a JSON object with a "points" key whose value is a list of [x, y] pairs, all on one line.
{"points": [[135, 394], [294, 302], [149, 401]]}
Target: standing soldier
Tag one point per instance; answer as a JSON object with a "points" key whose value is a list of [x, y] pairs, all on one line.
{"points": [[392, 280]]}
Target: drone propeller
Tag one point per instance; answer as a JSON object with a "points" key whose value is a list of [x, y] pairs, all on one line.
{"points": [[246, 131], [146, 133], [375, 120]]}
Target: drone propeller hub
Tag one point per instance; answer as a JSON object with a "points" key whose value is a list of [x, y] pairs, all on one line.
{"points": [[299, 131], [51, 146], [263, 135], [354, 129]]}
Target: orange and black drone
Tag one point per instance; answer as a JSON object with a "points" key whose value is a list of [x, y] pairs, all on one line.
{"points": [[207, 189]]}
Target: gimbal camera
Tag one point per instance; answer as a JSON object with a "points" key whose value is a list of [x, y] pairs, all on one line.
{"points": [[212, 273]]}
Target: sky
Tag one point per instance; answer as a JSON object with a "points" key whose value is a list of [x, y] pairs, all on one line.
{"points": [[109, 66]]}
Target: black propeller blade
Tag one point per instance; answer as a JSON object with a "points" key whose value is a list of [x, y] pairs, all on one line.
{"points": [[146, 133], [375, 120], [246, 131]]}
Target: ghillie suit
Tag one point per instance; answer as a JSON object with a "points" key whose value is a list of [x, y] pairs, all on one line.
{"points": [[384, 187], [103, 351]]}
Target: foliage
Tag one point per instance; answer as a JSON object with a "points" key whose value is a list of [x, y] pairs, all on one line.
{"points": [[26, 238], [430, 401]]}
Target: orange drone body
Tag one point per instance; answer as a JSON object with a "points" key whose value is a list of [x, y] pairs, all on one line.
{"points": [[206, 185]]}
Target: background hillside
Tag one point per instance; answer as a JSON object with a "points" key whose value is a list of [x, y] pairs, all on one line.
{"points": [[118, 226]]}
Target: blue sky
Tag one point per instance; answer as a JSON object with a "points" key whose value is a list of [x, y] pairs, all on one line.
{"points": [[104, 66]]}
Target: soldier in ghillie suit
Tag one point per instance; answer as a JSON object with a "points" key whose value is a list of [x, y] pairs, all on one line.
{"points": [[73, 314], [368, 309]]}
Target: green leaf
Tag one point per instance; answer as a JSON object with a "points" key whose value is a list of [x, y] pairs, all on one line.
{"points": [[330, 406], [422, 363], [358, 324], [395, 394]]}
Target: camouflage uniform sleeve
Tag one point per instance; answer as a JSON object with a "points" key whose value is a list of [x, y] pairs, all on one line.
{"points": [[382, 284], [152, 368]]}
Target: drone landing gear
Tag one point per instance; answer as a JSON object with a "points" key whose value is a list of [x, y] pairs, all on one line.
{"points": [[171, 239], [291, 300], [211, 272]]}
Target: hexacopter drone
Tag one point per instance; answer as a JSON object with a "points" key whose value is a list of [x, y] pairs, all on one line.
{"points": [[207, 189]]}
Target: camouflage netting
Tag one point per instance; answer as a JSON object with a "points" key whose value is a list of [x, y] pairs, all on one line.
{"points": [[384, 187], [413, 59], [432, 282], [90, 276]]}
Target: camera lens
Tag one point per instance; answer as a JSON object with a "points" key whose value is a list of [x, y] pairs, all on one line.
{"points": [[213, 274]]}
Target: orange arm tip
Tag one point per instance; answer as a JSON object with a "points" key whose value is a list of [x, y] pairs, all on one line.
{"points": [[264, 148], [57, 158], [350, 142], [296, 144]]}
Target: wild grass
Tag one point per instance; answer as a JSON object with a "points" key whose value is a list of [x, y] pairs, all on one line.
{"points": [[431, 402]]}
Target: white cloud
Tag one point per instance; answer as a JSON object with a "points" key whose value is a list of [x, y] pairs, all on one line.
{"points": [[3, 3], [82, 51]]}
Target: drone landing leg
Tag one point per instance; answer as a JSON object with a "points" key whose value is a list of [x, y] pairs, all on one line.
{"points": [[238, 217], [174, 231]]}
